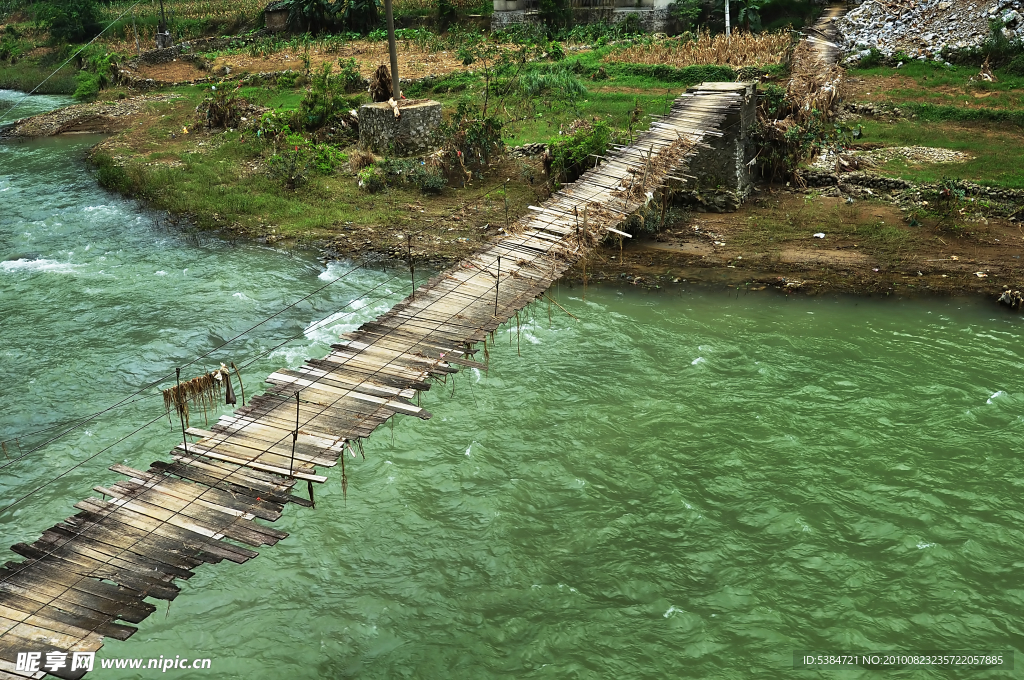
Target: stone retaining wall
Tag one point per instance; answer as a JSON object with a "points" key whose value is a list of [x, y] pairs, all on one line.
{"points": [[413, 133]]}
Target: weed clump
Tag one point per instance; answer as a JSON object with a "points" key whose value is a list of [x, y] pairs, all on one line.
{"points": [[570, 155], [371, 180]]}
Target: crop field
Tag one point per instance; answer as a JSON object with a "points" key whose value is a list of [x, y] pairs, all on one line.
{"points": [[741, 49]]}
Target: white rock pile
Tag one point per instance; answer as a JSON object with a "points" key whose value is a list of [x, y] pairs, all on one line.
{"points": [[924, 29]]}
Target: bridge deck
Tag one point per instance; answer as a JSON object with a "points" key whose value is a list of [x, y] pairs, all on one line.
{"points": [[89, 575]]}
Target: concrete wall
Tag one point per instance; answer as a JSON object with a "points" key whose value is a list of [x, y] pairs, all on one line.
{"points": [[652, 14]]}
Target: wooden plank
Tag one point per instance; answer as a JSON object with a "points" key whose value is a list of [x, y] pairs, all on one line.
{"points": [[94, 510], [222, 450], [197, 474], [247, 424], [257, 479], [84, 568], [167, 508], [146, 546], [256, 465], [10, 614], [329, 392], [47, 594], [135, 489], [80, 617], [245, 504], [342, 382]]}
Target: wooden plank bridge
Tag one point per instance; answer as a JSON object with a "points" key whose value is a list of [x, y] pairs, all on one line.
{"points": [[89, 576]]}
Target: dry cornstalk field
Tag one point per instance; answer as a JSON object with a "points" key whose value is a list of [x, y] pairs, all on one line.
{"points": [[741, 49], [191, 9]]}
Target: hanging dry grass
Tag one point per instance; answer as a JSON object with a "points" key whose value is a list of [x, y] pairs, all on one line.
{"points": [[741, 49], [204, 391]]}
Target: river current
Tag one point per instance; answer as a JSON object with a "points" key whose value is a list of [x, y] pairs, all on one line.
{"points": [[688, 483]]}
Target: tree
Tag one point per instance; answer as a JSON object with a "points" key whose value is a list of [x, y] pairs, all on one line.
{"points": [[556, 14], [69, 21], [750, 14], [311, 15]]}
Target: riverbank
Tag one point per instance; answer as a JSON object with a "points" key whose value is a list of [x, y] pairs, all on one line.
{"points": [[906, 225]]}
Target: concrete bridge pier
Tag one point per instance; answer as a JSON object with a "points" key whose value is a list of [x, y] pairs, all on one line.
{"points": [[723, 172]]}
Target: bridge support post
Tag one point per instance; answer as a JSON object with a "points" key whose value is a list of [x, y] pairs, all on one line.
{"points": [[723, 172]]}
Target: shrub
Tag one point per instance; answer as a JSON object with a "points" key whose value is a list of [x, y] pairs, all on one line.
{"points": [[274, 124], [291, 168], [348, 74], [360, 16], [1016, 66], [684, 13], [428, 179], [570, 155], [323, 99], [556, 14], [88, 86], [223, 107], [327, 159], [871, 60], [371, 180], [69, 21], [311, 15], [555, 51], [469, 139]]}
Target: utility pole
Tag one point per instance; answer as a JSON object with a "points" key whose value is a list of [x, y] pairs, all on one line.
{"points": [[162, 33], [726, 18], [396, 92]]}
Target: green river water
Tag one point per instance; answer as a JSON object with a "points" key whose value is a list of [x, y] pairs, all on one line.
{"points": [[690, 483]]}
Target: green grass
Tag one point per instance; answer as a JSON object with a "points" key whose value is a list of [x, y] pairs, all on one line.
{"points": [[26, 75], [938, 93], [998, 151]]}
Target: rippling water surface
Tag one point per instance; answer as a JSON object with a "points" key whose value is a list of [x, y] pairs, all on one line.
{"points": [[685, 484]]}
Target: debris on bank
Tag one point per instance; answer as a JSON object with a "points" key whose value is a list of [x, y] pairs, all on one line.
{"points": [[1012, 298], [923, 30], [857, 160]]}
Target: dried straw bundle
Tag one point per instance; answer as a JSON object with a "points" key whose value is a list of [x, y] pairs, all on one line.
{"points": [[741, 49], [593, 221], [815, 87], [380, 84], [204, 390]]}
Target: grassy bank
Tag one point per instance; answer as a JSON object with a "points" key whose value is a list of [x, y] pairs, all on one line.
{"points": [[949, 108], [26, 75]]}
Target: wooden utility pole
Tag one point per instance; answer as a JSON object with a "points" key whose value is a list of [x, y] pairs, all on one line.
{"points": [[162, 32], [396, 91]]}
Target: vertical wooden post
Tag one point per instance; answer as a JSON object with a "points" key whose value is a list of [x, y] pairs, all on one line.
{"points": [[396, 91], [181, 417], [295, 438], [135, 28], [505, 192], [497, 282], [412, 269]]}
